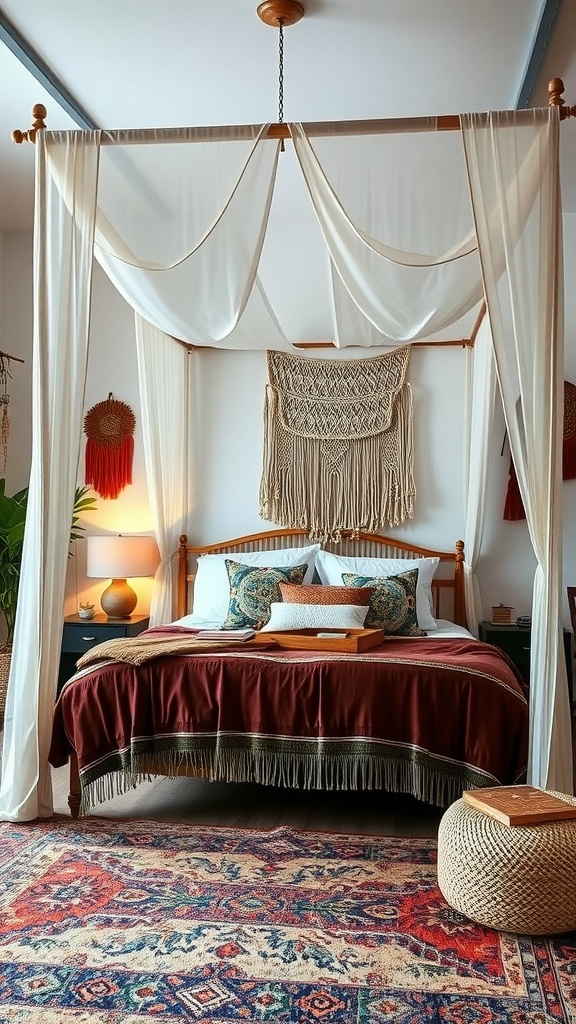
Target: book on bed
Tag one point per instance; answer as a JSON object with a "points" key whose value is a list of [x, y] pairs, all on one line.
{"points": [[519, 805], [227, 634]]}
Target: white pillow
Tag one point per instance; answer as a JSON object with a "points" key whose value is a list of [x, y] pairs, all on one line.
{"points": [[212, 586], [314, 616], [330, 568]]}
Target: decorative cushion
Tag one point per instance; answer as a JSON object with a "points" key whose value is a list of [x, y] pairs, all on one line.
{"points": [[316, 594], [253, 588], [330, 568], [315, 616], [393, 603], [212, 586]]}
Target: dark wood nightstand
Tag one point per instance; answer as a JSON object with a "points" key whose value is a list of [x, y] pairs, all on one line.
{"points": [[79, 635], [515, 641]]}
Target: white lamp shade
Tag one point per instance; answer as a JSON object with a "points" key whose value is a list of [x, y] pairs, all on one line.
{"points": [[119, 557]]}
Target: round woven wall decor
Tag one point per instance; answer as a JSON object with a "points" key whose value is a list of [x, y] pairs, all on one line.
{"points": [[109, 427]]}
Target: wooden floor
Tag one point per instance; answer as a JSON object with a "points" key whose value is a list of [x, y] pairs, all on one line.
{"points": [[252, 806]]}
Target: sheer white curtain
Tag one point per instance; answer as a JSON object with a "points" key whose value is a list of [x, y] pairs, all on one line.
{"points": [[525, 305], [63, 244], [180, 229], [402, 245], [480, 393], [375, 234], [164, 371]]}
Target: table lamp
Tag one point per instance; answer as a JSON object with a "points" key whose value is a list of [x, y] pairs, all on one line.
{"points": [[116, 558]]}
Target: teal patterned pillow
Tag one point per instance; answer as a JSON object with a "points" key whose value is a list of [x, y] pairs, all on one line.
{"points": [[253, 588], [393, 604]]}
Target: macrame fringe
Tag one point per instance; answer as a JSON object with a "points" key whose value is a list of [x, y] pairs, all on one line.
{"points": [[286, 770], [109, 467], [5, 436], [326, 485], [513, 506]]}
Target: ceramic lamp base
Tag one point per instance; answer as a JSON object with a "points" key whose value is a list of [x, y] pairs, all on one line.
{"points": [[118, 600]]}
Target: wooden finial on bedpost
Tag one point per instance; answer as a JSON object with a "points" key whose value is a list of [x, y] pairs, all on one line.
{"points": [[555, 98], [38, 115], [555, 90]]}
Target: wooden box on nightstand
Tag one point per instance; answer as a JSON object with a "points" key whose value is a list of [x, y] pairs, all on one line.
{"points": [[515, 641], [79, 635]]}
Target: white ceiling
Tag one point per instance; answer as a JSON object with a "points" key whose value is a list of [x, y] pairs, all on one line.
{"points": [[141, 63]]}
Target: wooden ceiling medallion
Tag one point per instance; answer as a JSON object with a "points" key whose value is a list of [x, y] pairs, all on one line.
{"points": [[280, 12]]}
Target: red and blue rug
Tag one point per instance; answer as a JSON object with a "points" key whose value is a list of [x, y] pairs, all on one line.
{"points": [[103, 922]]}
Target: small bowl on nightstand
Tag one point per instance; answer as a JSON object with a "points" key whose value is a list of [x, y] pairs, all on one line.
{"points": [[86, 611]]}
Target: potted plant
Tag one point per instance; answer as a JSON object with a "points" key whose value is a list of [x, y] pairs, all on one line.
{"points": [[86, 610], [12, 520]]}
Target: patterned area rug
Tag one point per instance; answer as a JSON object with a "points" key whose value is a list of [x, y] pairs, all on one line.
{"points": [[118, 923]]}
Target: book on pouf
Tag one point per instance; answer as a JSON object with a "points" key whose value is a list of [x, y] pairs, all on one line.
{"points": [[519, 805]]}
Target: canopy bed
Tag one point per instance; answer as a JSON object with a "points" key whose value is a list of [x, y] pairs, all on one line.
{"points": [[426, 715], [119, 196]]}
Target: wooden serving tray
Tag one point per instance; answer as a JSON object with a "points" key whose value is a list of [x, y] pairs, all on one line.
{"points": [[355, 641]]}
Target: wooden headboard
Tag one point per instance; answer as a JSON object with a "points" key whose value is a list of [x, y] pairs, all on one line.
{"points": [[447, 585]]}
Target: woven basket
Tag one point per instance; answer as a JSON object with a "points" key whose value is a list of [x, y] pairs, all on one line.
{"points": [[516, 878], [5, 659]]}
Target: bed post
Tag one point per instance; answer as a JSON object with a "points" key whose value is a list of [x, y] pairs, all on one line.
{"points": [[182, 585], [459, 596], [74, 794]]}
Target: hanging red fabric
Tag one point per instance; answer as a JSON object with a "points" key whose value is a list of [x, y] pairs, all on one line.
{"points": [[109, 427], [513, 505]]}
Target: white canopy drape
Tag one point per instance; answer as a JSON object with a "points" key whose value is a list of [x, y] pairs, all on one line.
{"points": [[166, 409], [181, 229], [480, 393]]}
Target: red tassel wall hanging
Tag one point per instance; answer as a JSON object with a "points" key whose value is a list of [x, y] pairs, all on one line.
{"points": [[513, 506], [109, 427]]}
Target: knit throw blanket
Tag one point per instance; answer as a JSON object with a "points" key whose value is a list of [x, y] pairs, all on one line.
{"points": [[338, 451], [137, 650]]}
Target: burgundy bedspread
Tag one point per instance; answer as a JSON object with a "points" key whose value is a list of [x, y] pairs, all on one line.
{"points": [[426, 716]]}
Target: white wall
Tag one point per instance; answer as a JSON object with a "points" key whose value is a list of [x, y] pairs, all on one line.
{"points": [[228, 408]]}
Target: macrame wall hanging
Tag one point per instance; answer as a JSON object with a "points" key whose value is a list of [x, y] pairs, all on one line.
{"points": [[513, 505], [109, 427], [338, 451], [5, 375]]}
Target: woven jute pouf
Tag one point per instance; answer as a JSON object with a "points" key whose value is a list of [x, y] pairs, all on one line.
{"points": [[516, 878]]}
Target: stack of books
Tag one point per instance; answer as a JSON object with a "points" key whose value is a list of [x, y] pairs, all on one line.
{"points": [[226, 634]]}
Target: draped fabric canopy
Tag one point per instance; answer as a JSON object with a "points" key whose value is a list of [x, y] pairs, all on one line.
{"points": [[181, 222]]}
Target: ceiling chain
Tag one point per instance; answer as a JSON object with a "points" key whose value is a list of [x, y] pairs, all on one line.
{"points": [[280, 70], [281, 76]]}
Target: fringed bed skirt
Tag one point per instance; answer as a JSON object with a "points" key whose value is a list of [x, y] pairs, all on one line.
{"points": [[415, 776]]}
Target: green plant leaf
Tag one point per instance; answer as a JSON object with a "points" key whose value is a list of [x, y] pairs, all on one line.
{"points": [[12, 522]]}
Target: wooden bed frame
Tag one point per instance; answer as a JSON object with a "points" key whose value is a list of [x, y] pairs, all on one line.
{"points": [[447, 585]]}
